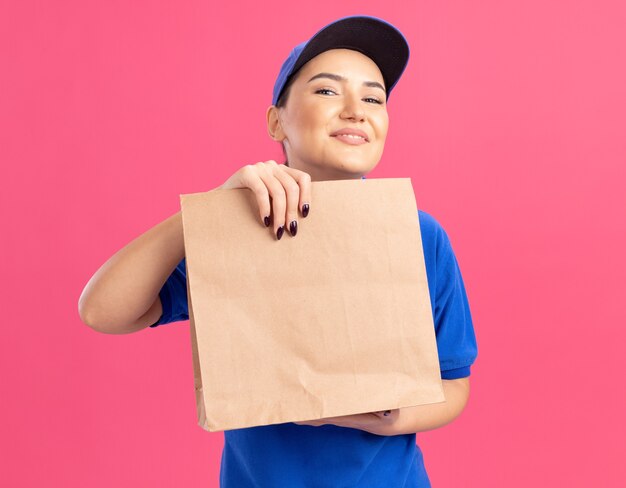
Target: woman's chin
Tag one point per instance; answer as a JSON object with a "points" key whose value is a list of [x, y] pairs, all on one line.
{"points": [[343, 165], [354, 165]]}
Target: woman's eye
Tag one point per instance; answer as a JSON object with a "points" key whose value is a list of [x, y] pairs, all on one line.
{"points": [[324, 90]]}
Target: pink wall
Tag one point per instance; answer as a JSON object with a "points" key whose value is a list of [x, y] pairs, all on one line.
{"points": [[510, 120]]}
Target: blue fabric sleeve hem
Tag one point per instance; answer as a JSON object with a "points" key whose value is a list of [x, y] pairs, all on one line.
{"points": [[166, 304], [453, 374], [173, 295]]}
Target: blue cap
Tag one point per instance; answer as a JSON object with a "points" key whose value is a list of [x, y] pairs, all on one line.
{"points": [[374, 37]]}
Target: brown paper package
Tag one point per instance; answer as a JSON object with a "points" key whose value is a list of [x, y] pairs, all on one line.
{"points": [[335, 321]]}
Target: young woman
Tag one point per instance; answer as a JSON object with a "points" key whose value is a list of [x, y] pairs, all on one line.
{"points": [[329, 112]]}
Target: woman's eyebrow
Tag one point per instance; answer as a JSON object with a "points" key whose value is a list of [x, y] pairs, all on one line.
{"points": [[332, 76]]}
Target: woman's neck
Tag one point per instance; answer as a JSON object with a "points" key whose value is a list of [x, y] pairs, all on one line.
{"points": [[327, 174]]}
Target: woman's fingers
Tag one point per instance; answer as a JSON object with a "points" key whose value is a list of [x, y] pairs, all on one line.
{"points": [[292, 195], [388, 415], [304, 182], [267, 173], [279, 191], [292, 192], [250, 179]]}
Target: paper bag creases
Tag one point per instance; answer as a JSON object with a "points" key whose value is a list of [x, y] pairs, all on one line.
{"points": [[197, 380], [335, 321]]}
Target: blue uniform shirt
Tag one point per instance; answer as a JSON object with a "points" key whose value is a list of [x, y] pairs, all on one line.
{"points": [[293, 456]]}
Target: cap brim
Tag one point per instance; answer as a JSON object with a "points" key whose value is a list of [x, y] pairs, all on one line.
{"points": [[375, 38]]}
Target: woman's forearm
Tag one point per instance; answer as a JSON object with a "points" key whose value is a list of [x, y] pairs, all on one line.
{"points": [[122, 296], [434, 415], [408, 420]]}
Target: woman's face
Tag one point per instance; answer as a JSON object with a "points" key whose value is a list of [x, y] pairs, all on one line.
{"points": [[338, 90]]}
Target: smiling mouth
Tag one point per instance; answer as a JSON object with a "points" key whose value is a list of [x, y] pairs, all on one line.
{"points": [[351, 139]]}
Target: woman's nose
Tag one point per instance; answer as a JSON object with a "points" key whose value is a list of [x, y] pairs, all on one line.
{"points": [[353, 109]]}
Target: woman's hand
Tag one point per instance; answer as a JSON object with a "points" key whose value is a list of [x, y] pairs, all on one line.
{"points": [[380, 423], [279, 190]]}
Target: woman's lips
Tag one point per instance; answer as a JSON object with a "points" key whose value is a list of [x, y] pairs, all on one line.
{"points": [[353, 140]]}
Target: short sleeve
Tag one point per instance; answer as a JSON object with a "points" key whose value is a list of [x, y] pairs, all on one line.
{"points": [[456, 339], [454, 329], [173, 295]]}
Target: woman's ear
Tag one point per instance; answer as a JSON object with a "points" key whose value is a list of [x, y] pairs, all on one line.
{"points": [[274, 126]]}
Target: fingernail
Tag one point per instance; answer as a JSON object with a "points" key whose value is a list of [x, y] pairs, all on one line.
{"points": [[305, 209], [279, 232], [387, 412], [293, 228], [267, 221]]}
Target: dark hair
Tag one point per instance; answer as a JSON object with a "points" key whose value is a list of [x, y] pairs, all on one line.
{"points": [[284, 95], [282, 101]]}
